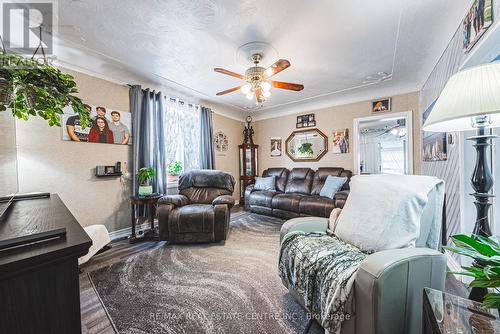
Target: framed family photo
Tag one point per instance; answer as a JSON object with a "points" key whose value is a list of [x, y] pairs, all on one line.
{"points": [[478, 19], [381, 105], [107, 126], [340, 141]]}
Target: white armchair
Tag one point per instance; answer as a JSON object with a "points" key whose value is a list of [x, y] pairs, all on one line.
{"points": [[389, 284]]}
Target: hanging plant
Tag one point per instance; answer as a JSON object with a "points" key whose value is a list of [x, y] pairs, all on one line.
{"points": [[29, 88]]}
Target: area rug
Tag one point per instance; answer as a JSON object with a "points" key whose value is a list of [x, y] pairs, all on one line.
{"points": [[232, 287]]}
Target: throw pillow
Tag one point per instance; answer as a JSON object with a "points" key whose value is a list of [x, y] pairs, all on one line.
{"points": [[384, 211], [265, 183], [332, 185]]}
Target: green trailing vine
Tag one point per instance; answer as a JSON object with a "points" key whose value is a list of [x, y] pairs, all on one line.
{"points": [[29, 88]]}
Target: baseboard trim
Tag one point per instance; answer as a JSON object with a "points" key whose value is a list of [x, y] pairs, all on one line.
{"points": [[125, 232]]}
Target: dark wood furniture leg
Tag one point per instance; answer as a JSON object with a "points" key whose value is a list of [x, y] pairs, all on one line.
{"points": [[152, 216], [133, 237]]}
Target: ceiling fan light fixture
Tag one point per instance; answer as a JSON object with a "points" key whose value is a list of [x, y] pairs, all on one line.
{"points": [[245, 89], [266, 93], [266, 86], [250, 95]]}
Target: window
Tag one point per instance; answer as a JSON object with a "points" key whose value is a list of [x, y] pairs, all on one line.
{"points": [[182, 137]]}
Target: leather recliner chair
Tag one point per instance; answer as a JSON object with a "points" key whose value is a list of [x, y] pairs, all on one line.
{"points": [[201, 211]]}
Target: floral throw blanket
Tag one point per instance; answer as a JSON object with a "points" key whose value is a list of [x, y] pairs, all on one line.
{"points": [[321, 269]]}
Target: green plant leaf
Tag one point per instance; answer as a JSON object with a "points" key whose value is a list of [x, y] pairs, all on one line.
{"points": [[492, 300], [483, 282], [475, 243]]}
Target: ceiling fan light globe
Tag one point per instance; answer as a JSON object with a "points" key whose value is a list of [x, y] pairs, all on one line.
{"points": [[266, 93], [245, 89], [268, 72], [266, 86], [250, 95]]}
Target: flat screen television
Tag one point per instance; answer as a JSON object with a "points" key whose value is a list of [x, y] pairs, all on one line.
{"points": [[9, 186]]}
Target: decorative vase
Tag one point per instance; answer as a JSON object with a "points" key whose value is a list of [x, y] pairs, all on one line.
{"points": [[145, 190], [172, 178]]}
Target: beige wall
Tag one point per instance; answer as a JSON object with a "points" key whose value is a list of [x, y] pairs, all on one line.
{"points": [[46, 163], [327, 120]]}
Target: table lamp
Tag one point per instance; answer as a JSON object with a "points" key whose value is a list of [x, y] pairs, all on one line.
{"points": [[471, 101]]}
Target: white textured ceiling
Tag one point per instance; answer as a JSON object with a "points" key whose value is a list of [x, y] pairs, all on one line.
{"points": [[332, 45]]}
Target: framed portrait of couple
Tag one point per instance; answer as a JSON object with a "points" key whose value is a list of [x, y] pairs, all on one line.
{"points": [[107, 126]]}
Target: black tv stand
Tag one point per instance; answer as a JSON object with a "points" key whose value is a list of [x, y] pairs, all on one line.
{"points": [[39, 282]]}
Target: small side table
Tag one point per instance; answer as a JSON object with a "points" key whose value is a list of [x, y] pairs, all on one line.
{"points": [[151, 202], [447, 313]]}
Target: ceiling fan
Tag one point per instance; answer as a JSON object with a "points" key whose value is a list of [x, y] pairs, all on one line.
{"points": [[258, 85]]}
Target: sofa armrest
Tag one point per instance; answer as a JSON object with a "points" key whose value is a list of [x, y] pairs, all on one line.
{"points": [[340, 197], [389, 288], [175, 200], [248, 190], [224, 199], [304, 224]]}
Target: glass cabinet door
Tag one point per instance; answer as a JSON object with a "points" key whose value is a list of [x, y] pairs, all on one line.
{"points": [[241, 162], [256, 160], [248, 161]]}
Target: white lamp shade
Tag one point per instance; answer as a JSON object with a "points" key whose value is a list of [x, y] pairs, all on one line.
{"points": [[472, 92]]}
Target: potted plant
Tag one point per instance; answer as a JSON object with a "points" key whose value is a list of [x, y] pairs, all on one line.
{"points": [[30, 88], [174, 170], [306, 149], [144, 176], [485, 270]]}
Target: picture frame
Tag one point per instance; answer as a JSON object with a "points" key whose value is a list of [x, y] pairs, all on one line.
{"points": [[478, 19], [340, 140], [381, 105], [276, 148], [305, 121]]}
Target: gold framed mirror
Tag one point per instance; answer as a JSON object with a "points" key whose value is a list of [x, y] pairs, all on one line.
{"points": [[306, 145]]}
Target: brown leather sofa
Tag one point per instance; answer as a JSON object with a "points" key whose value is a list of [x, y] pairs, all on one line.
{"points": [[297, 193], [201, 211]]}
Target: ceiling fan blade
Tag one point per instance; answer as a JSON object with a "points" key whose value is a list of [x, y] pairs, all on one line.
{"points": [[227, 91], [287, 85], [276, 68], [259, 96], [223, 71]]}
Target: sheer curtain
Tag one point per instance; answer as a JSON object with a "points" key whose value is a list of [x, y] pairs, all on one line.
{"points": [[182, 134]]}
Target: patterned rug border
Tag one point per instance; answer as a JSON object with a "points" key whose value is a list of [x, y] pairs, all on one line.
{"points": [[102, 303]]}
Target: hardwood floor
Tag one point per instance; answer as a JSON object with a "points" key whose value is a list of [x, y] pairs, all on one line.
{"points": [[94, 318]]}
